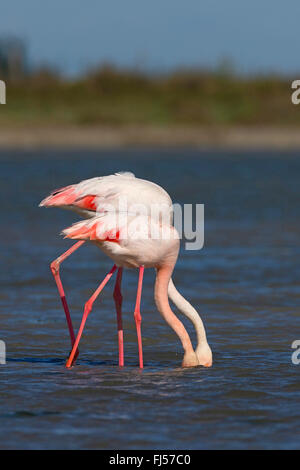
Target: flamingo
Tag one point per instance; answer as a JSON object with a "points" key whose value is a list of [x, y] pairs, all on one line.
{"points": [[98, 195], [98, 199]]}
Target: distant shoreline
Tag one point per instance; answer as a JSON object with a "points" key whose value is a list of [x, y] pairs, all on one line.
{"points": [[102, 137]]}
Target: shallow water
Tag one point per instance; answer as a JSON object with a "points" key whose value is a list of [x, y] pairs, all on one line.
{"points": [[245, 282]]}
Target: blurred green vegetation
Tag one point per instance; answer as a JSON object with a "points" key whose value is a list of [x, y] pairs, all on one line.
{"points": [[109, 96]]}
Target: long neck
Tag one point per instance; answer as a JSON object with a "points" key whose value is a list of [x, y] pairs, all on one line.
{"points": [[161, 299], [188, 310]]}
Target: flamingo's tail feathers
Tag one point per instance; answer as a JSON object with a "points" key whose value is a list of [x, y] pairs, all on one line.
{"points": [[84, 230], [60, 197], [95, 229], [70, 196], [90, 195]]}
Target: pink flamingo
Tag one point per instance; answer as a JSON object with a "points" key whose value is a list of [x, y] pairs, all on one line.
{"points": [[129, 248]]}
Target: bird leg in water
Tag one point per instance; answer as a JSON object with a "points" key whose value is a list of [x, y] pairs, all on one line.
{"points": [[118, 302], [54, 266], [87, 309], [137, 315]]}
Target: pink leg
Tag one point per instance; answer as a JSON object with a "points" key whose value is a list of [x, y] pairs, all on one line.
{"points": [[118, 302], [87, 309], [54, 266], [137, 315]]}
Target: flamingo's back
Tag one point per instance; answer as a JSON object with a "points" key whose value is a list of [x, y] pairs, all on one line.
{"points": [[118, 192], [130, 240]]}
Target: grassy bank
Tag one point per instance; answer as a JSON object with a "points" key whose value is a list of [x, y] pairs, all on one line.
{"points": [[110, 97]]}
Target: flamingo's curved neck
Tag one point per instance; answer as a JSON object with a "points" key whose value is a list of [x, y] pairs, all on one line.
{"points": [[188, 310], [163, 277]]}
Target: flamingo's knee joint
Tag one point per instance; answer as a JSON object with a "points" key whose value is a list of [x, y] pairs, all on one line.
{"points": [[87, 308], [54, 266], [138, 317]]}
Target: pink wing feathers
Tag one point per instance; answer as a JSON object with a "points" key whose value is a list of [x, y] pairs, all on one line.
{"points": [[119, 228], [97, 229], [92, 194], [69, 196]]}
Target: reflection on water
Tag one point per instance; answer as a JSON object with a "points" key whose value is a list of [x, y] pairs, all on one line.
{"points": [[245, 283]]}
